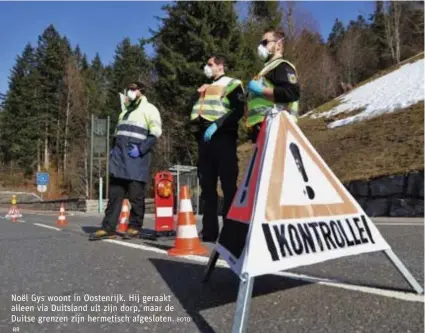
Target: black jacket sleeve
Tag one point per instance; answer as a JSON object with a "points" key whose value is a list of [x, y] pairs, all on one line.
{"points": [[285, 81], [237, 105]]}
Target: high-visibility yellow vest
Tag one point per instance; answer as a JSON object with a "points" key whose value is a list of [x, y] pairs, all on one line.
{"points": [[258, 106], [213, 102], [140, 122]]}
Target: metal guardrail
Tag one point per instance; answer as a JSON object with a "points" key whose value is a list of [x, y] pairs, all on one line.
{"points": [[71, 204]]}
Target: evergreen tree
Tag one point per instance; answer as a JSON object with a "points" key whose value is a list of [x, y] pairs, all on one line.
{"points": [[96, 87], [19, 130], [378, 35], [336, 36], [52, 53], [265, 13], [262, 15]]}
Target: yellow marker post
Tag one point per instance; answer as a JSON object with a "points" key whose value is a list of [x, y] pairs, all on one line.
{"points": [[13, 199]]}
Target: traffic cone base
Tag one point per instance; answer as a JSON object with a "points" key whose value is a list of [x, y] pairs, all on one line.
{"points": [[187, 240], [61, 221], [13, 213]]}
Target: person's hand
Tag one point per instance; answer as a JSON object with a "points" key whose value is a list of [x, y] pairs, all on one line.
{"points": [[256, 87], [202, 88], [210, 131], [134, 151]]}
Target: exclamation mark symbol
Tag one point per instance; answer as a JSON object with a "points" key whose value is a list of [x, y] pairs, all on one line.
{"points": [[299, 162]]}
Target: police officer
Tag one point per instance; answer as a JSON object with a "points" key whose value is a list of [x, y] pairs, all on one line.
{"points": [[276, 84], [215, 117], [138, 129]]}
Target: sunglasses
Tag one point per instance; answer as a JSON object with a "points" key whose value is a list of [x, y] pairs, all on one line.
{"points": [[264, 42]]}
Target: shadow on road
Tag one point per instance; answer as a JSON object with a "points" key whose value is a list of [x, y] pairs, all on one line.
{"points": [[89, 229], [185, 281]]}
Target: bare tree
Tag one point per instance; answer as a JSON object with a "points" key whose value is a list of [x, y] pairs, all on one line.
{"points": [[327, 75], [350, 55], [392, 18], [76, 131], [295, 20], [316, 71]]}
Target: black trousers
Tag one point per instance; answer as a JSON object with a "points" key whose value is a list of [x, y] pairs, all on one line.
{"points": [[120, 189], [217, 159]]}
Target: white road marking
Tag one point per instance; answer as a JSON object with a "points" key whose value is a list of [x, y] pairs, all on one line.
{"points": [[411, 297], [338, 284], [135, 246], [331, 283], [47, 226]]}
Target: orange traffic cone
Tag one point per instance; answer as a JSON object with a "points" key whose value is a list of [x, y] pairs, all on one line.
{"points": [[187, 240], [13, 211], [124, 217], [61, 221]]}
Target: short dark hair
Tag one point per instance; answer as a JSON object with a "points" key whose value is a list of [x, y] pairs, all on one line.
{"points": [[278, 33], [138, 85], [219, 59]]}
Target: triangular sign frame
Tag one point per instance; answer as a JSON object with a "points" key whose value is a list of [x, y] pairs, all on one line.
{"points": [[275, 225]]}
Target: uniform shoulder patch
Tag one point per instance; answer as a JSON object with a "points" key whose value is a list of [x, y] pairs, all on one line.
{"points": [[292, 78]]}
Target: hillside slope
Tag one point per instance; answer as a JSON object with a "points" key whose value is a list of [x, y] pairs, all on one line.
{"points": [[375, 130]]}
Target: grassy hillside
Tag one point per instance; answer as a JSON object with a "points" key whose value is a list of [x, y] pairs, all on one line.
{"points": [[386, 145], [337, 101]]}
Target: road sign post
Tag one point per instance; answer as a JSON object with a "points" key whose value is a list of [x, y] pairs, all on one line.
{"points": [[107, 158], [42, 180], [91, 158], [100, 195], [99, 149]]}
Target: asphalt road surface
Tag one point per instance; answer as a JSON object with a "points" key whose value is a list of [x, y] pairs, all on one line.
{"points": [[351, 295]]}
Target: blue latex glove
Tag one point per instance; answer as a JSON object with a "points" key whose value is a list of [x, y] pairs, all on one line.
{"points": [[210, 131], [133, 151], [256, 87]]}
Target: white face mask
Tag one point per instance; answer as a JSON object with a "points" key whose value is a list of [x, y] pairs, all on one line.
{"points": [[132, 95], [263, 53], [208, 71]]}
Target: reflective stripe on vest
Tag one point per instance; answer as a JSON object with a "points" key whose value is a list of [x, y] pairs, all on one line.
{"points": [[132, 129], [258, 107], [213, 103], [133, 124]]}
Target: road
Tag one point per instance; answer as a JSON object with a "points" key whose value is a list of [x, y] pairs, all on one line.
{"points": [[366, 293]]}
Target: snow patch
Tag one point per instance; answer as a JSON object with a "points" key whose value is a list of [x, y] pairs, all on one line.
{"points": [[398, 89]]}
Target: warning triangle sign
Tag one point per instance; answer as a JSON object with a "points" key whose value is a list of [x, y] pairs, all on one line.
{"points": [[291, 210]]}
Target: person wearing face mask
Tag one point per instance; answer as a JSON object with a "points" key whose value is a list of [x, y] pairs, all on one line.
{"points": [[275, 85], [138, 130], [214, 120]]}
